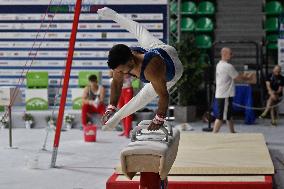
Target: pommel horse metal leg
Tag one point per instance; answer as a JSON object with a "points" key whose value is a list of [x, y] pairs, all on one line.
{"points": [[150, 153]]}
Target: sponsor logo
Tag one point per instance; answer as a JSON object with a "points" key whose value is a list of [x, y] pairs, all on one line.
{"points": [[32, 54], [4, 26], [91, 133], [53, 25], [43, 53], [52, 35], [53, 63], [134, 16], [115, 26], [85, 8], [53, 81], [85, 54], [87, 64], [82, 26], [94, 8], [104, 35]]}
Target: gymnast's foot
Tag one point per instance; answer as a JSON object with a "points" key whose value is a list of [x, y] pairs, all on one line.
{"points": [[127, 135], [274, 122], [121, 134], [262, 116]]}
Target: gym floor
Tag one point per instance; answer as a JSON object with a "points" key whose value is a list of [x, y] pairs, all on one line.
{"points": [[88, 165]]}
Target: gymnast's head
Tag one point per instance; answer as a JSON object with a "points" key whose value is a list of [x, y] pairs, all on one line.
{"points": [[276, 70], [121, 59], [226, 54], [93, 80]]}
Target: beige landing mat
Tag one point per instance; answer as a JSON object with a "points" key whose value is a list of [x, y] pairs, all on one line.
{"points": [[223, 154]]}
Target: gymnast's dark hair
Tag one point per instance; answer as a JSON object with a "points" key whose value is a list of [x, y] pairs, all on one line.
{"points": [[119, 54], [93, 78]]}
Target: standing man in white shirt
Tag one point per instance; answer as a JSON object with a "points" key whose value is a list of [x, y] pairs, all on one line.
{"points": [[226, 74]]}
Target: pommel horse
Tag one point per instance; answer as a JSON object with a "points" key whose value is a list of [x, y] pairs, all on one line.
{"points": [[152, 153]]}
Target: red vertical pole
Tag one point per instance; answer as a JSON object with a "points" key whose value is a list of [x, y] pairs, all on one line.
{"points": [[66, 81]]}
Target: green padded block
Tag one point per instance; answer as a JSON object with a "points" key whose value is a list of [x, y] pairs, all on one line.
{"points": [[77, 103], [36, 99], [59, 9], [187, 24], [203, 41], [84, 75], [36, 104], [273, 8], [188, 8], [203, 58], [272, 38], [135, 83], [271, 24], [204, 25], [2, 108], [205, 8], [272, 46], [37, 79]]}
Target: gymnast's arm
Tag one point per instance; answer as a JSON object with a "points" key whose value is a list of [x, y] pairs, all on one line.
{"points": [[279, 91], [155, 72], [85, 96], [115, 87], [268, 87], [102, 94]]}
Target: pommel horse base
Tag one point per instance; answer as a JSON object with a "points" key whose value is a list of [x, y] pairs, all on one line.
{"points": [[206, 161]]}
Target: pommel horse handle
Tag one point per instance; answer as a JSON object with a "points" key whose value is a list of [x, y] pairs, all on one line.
{"points": [[145, 124]]}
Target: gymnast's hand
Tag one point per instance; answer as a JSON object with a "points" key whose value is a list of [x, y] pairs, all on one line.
{"points": [[107, 13], [156, 123], [108, 114]]}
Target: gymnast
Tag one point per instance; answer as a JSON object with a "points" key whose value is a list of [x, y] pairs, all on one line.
{"points": [[154, 63]]}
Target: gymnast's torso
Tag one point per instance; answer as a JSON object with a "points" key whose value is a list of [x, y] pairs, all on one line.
{"points": [[149, 54]]}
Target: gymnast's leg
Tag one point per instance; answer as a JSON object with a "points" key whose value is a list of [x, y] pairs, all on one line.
{"points": [[144, 37]]}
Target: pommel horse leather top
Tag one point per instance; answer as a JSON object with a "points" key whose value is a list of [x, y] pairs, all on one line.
{"points": [[217, 154]]}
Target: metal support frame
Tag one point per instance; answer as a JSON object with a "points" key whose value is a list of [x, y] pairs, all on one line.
{"points": [[174, 37]]}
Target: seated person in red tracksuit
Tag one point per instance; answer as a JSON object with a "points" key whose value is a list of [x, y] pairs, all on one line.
{"points": [[92, 99]]}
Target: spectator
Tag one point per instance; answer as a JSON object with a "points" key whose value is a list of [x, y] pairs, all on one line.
{"points": [[274, 86], [225, 89], [93, 99]]}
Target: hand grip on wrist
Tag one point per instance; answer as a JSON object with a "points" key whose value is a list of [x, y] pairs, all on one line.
{"points": [[109, 113], [158, 119]]}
